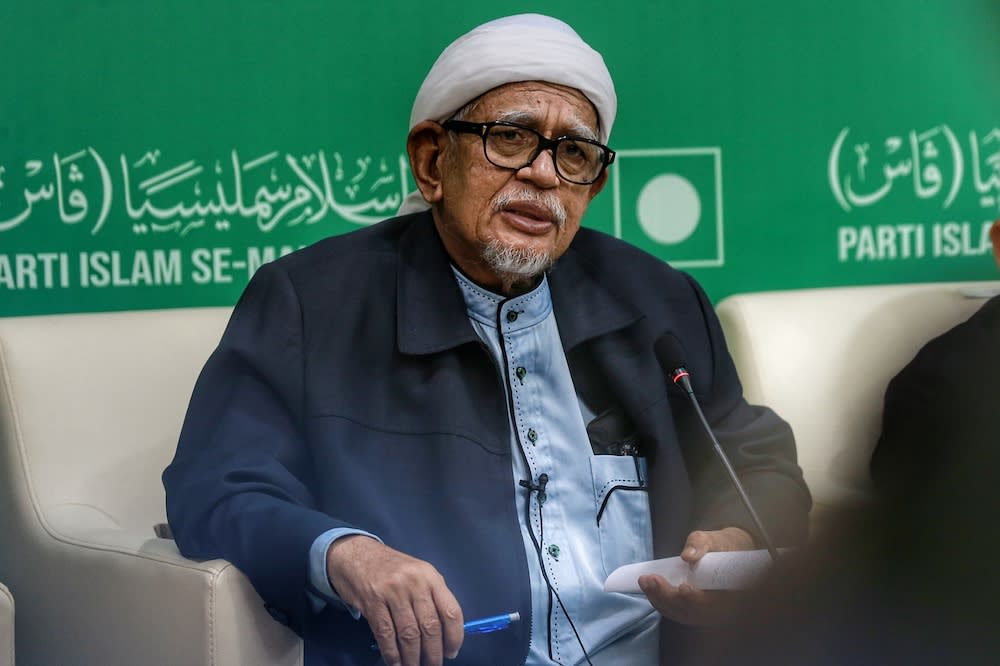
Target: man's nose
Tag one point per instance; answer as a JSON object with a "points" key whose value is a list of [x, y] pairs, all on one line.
{"points": [[541, 170]]}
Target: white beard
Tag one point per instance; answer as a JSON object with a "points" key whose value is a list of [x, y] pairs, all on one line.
{"points": [[515, 264]]}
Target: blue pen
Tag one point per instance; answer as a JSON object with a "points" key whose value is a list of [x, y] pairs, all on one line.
{"points": [[486, 625]]}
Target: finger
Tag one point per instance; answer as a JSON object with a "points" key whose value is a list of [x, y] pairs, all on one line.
{"points": [[698, 543], [384, 631], [452, 618], [409, 637], [407, 634], [733, 538], [664, 596], [655, 585], [691, 595], [428, 639], [691, 605]]}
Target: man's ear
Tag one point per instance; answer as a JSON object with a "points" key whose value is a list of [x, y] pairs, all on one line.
{"points": [[425, 145], [599, 184]]}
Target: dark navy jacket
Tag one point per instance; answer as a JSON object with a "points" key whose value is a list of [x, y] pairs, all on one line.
{"points": [[350, 389]]}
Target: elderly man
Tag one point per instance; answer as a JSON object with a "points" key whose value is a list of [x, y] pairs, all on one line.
{"points": [[431, 420]]}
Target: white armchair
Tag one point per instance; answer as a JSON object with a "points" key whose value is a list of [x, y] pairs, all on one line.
{"points": [[6, 627], [90, 409], [822, 358]]}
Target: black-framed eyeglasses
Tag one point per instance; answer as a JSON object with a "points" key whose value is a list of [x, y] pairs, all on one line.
{"points": [[512, 146]]}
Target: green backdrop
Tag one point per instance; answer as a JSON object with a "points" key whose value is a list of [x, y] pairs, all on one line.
{"points": [[153, 153]]}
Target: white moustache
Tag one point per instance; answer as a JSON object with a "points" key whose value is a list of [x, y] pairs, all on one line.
{"points": [[546, 200]]}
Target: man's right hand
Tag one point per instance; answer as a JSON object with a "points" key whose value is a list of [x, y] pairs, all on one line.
{"points": [[412, 613]]}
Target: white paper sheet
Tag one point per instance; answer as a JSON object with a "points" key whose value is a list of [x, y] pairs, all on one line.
{"points": [[715, 571]]}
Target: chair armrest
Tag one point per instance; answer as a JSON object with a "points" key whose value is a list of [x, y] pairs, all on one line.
{"points": [[121, 597], [6, 627]]}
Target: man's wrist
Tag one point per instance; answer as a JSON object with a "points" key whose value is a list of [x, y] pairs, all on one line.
{"points": [[321, 590], [344, 548]]}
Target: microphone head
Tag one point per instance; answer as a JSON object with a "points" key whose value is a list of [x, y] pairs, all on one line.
{"points": [[669, 352]]}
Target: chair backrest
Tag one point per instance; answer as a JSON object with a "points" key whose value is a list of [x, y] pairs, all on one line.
{"points": [[822, 359], [94, 403]]}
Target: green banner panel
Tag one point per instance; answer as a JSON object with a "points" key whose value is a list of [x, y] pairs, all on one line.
{"points": [[153, 154]]}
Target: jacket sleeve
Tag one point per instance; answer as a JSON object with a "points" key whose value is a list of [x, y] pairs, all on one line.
{"points": [[926, 418], [239, 486], [757, 441]]}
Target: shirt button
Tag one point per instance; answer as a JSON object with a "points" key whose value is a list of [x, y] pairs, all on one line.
{"points": [[554, 551], [521, 373], [512, 316], [532, 435]]}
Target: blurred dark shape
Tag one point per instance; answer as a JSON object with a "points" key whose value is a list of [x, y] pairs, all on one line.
{"points": [[913, 578], [908, 581]]}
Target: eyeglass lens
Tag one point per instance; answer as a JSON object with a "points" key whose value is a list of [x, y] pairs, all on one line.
{"points": [[515, 147]]}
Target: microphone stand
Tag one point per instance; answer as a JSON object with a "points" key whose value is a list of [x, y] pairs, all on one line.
{"points": [[680, 377]]}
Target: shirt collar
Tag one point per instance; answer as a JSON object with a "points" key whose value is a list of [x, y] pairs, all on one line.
{"points": [[483, 305]]}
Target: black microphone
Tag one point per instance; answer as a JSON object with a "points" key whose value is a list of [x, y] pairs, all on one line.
{"points": [[543, 479], [670, 354]]}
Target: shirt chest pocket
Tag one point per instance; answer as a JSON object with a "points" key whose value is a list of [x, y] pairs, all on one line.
{"points": [[621, 509]]}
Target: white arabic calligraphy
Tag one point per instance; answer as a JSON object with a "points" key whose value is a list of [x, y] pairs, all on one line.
{"points": [[271, 189], [933, 160]]}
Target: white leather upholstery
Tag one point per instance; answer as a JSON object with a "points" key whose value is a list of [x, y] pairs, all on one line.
{"points": [[822, 359], [6, 627], [90, 409]]}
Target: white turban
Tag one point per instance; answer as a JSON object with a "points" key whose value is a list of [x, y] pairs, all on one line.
{"points": [[525, 47]]}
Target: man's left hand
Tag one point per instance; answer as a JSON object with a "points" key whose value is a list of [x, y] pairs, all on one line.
{"points": [[687, 604]]}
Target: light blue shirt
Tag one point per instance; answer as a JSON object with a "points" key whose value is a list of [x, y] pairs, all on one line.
{"points": [[562, 533]]}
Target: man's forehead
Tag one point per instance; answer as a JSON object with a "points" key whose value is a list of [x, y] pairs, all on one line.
{"points": [[531, 101]]}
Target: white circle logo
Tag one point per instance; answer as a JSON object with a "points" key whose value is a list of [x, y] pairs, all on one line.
{"points": [[668, 208]]}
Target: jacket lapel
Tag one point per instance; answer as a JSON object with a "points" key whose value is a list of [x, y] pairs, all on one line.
{"points": [[431, 311]]}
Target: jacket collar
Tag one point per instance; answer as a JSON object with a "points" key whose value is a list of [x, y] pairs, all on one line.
{"points": [[585, 307], [431, 311]]}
